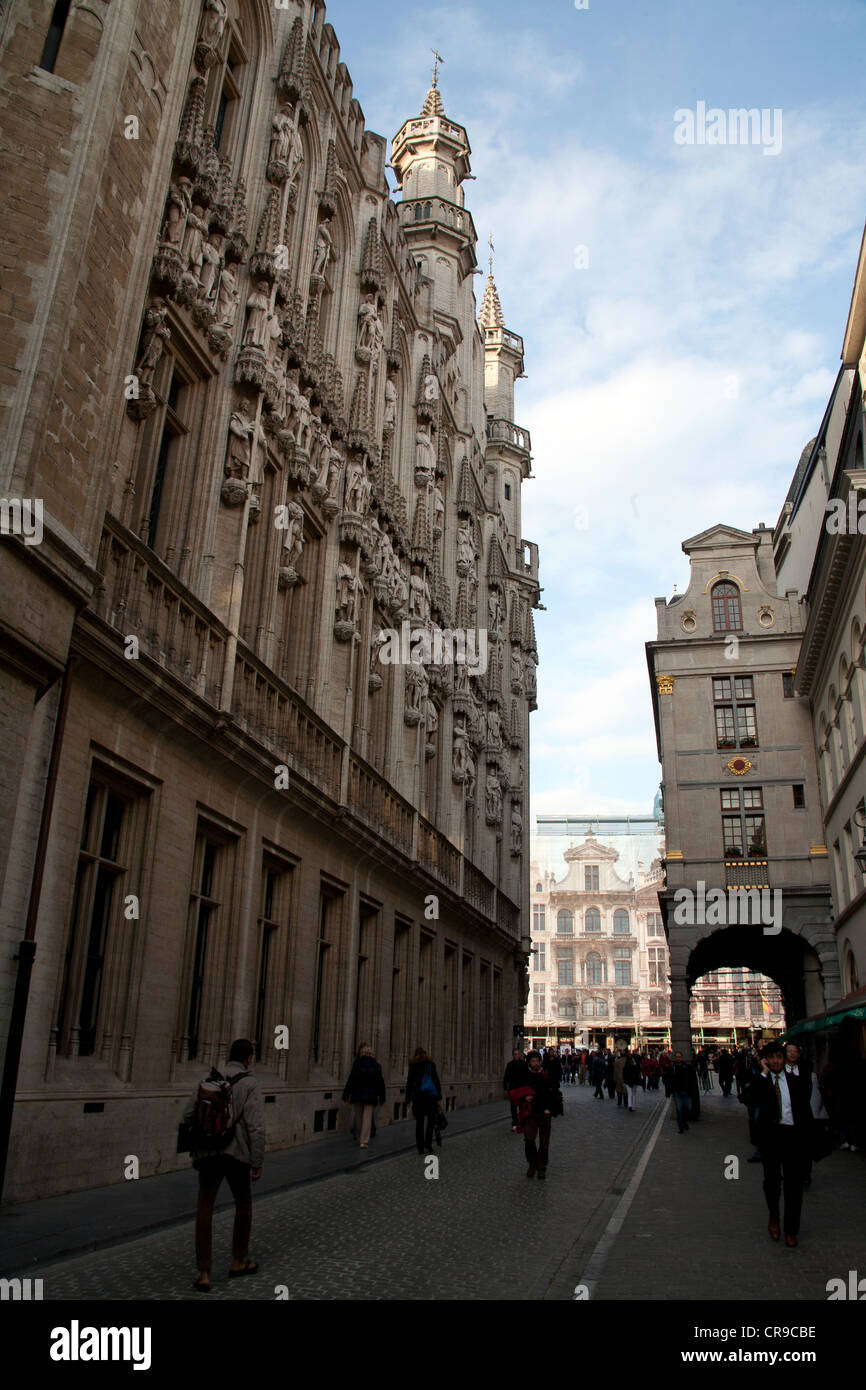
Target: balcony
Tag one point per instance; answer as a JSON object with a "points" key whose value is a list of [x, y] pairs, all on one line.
{"points": [[747, 873], [509, 433]]}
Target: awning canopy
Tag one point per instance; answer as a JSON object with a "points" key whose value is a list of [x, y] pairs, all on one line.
{"points": [[852, 1006]]}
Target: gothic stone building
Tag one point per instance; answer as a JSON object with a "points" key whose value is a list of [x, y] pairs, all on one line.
{"points": [[254, 427]]}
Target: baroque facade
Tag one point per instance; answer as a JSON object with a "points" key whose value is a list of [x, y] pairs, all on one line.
{"points": [[271, 437]]}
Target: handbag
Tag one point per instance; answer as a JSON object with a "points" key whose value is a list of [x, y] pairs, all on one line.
{"points": [[427, 1086], [440, 1122]]}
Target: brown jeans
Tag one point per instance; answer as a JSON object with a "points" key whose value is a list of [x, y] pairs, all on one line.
{"points": [[211, 1172]]}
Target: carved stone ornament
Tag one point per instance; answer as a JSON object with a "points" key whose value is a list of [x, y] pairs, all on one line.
{"points": [[516, 831], [349, 589], [766, 616], [689, 621], [492, 797], [665, 685]]}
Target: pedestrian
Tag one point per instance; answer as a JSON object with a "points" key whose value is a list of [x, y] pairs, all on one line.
{"points": [[596, 1075], [725, 1068], [515, 1071], [783, 1104], [704, 1069], [609, 1076], [683, 1085], [581, 1067], [424, 1093], [365, 1089], [631, 1077], [553, 1068], [537, 1101], [239, 1160], [619, 1080]]}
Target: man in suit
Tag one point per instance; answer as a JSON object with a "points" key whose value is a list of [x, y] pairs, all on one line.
{"points": [[783, 1124]]}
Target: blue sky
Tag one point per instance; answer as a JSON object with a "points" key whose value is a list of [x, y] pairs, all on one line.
{"points": [[674, 379]]}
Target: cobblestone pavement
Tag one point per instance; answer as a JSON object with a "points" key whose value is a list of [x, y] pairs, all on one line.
{"points": [[483, 1231]]}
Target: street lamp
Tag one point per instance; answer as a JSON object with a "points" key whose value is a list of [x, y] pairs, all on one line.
{"points": [[860, 854]]}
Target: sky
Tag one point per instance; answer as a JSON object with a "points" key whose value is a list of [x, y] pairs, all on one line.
{"points": [[682, 304]]}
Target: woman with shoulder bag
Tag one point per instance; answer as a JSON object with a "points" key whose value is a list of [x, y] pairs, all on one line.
{"points": [[365, 1089], [424, 1092]]}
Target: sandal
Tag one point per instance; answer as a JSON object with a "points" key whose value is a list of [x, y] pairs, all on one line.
{"points": [[249, 1268]]}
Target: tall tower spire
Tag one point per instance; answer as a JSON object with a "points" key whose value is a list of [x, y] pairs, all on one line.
{"points": [[491, 315]]}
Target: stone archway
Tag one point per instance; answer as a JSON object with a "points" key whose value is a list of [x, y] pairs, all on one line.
{"points": [[801, 958]]}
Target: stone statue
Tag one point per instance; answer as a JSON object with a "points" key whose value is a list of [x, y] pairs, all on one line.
{"points": [[324, 252], [494, 728], [431, 718], [438, 510], [293, 538], [494, 797], [347, 592], [465, 549], [389, 420], [241, 430], [227, 298], [470, 775], [355, 488], [212, 256], [516, 829], [156, 335], [418, 606], [531, 684], [281, 140], [213, 22], [425, 456], [516, 671], [257, 332], [460, 752], [179, 204], [430, 389], [416, 689], [494, 612], [368, 319], [193, 241]]}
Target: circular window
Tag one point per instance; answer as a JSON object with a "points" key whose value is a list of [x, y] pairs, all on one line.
{"points": [[688, 622]]}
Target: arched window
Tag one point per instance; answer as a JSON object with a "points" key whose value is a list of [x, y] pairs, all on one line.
{"points": [[565, 922], [592, 920], [727, 614], [853, 974], [538, 888], [620, 922], [593, 968]]}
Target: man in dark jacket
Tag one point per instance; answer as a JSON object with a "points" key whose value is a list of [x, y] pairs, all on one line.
{"points": [[725, 1068], [596, 1075], [515, 1072], [782, 1102], [683, 1084]]}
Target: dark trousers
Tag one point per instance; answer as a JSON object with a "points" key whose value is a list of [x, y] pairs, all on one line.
{"points": [[211, 1172], [537, 1129], [514, 1115], [598, 1091], [425, 1109], [622, 1097], [683, 1105], [785, 1158], [725, 1083]]}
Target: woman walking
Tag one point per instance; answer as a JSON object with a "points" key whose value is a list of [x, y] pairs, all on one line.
{"points": [[365, 1089], [631, 1077], [538, 1101], [619, 1081], [425, 1093]]}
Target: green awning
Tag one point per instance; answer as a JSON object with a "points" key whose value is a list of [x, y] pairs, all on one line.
{"points": [[829, 1020]]}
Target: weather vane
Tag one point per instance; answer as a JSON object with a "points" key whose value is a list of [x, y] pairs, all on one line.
{"points": [[490, 244], [439, 59]]}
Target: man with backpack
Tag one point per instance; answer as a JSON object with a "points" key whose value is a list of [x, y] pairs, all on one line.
{"points": [[226, 1119]]}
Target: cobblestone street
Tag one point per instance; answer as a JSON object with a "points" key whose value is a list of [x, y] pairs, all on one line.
{"points": [[482, 1231]]}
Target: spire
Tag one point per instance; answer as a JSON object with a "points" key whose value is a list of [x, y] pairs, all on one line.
{"points": [[491, 315], [433, 105]]}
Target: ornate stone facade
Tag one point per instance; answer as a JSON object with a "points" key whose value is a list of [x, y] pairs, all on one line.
{"points": [[268, 427]]}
